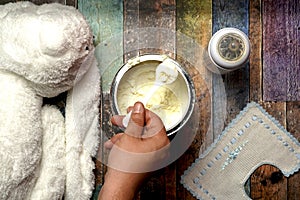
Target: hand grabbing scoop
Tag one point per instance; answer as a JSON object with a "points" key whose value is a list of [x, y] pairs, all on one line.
{"points": [[165, 73]]}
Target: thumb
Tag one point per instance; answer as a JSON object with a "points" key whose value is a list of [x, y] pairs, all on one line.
{"points": [[137, 121]]}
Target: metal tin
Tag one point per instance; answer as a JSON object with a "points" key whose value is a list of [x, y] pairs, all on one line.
{"points": [[135, 70]]}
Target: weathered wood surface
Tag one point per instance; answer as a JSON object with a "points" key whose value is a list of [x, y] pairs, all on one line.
{"points": [[281, 25], [274, 35], [267, 182], [293, 126], [194, 21], [233, 14], [145, 23], [39, 2]]}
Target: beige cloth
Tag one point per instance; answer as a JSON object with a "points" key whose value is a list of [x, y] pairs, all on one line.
{"points": [[252, 139]]}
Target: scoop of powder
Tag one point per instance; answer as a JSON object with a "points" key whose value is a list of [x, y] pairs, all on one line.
{"points": [[135, 87]]}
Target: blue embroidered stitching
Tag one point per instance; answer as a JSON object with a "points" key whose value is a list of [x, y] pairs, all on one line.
{"points": [[233, 155]]}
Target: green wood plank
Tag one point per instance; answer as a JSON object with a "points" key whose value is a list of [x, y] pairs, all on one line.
{"points": [[194, 20]]}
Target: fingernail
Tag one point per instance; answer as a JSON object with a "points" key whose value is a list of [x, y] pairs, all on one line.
{"points": [[137, 108]]}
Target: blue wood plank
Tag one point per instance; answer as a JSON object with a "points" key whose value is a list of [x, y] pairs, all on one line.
{"points": [[233, 14]]}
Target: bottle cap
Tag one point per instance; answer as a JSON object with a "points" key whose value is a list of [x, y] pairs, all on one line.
{"points": [[229, 49]]}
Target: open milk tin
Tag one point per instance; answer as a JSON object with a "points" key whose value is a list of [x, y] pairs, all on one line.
{"points": [[173, 102]]}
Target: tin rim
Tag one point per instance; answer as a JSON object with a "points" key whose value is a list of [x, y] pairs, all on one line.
{"points": [[156, 57]]}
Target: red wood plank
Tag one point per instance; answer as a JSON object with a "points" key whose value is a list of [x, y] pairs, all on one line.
{"points": [[281, 50], [255, 60]]}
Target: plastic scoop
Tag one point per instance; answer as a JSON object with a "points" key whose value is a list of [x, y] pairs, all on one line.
{"points": [[165, 73]]}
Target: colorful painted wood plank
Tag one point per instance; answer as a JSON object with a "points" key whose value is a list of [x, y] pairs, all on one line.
{"points": [[145, 25], [39, 2], [106, 21], [255, 60], [149, 27], [194, 21], [281, 44], [131, 29], [261, 186], [233, 14]]}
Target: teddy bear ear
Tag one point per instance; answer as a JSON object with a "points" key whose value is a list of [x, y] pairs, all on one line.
{"points": [[53, 41]]}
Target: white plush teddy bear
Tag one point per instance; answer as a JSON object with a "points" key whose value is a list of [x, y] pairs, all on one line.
{"points": [[44, 51]]}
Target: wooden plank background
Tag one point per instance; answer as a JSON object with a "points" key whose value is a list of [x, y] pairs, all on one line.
{"points": [[281, 63], [273, 29]]}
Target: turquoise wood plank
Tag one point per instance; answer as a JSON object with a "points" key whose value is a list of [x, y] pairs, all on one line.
{"points": [[281, 50], [105, 17], [106, 21]]}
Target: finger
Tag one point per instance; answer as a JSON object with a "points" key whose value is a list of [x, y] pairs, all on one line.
{"points": [[117, 120], [110, 143], [137, 121], [129, 109], [154, 124]]}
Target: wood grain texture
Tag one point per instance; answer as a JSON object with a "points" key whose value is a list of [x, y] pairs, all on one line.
{"points": [[293, 126], [145, 23], [194, 21], [267, 182], [261, 184], [106, 21], [40, 2], [233, 14], [273, 59], [255, 60], [281, 44], [72, 3], [2, 2], [131, 29]]}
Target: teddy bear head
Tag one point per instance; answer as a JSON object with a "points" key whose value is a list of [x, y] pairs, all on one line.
{"points": [[49, 45]]}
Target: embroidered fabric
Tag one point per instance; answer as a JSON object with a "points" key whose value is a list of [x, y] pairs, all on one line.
{"points": [[252, 139]]}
